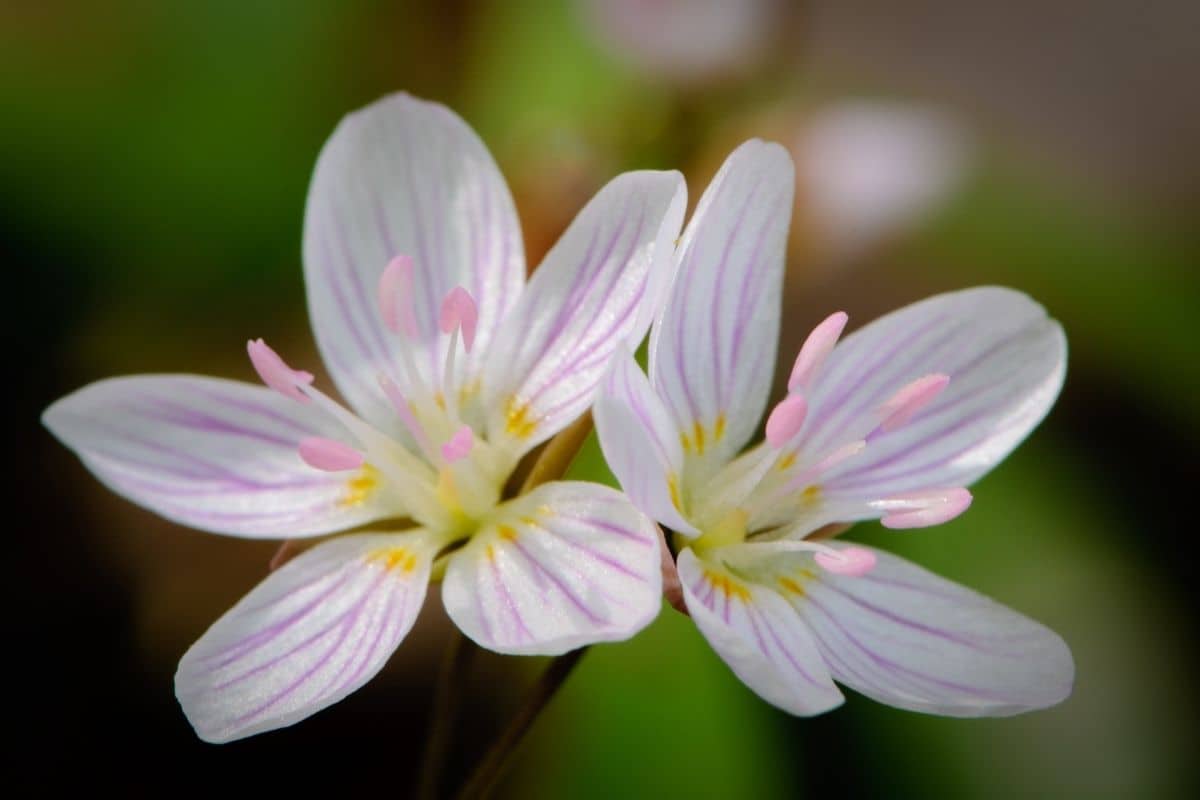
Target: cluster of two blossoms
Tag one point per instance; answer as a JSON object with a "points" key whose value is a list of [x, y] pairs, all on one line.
{"points": [[457, 368]]}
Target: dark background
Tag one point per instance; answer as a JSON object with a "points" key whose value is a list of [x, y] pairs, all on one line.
{"points": [[153, 165]]}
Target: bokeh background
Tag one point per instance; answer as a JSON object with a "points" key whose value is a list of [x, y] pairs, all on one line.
{"points": [[154, 158]]}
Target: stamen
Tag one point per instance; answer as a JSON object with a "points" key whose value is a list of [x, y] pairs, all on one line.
{"points": [[911, 399], [395, 297], [850, 561], [786, 420], [922, 509], [806, 477], [459, 311], [459, 445], [330, 455], [275, 373], [816, 349], [411, 423]]}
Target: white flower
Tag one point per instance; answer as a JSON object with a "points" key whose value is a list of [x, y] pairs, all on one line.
{"points": [[892, 423], [456, 367]]}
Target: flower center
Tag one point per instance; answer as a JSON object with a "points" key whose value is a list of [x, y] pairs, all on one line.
{"points": [[440, 470]]}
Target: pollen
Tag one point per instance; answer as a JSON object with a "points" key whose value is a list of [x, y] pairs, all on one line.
{"points": [[395, 558], [727, 585], [360, 487], [517, 421]]}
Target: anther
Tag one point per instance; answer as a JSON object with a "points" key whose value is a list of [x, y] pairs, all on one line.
{"points": [[786, 419], [459, 311], [395, 296], [816, 349], [850, 561], [329, 455], [275, 373], [911, 399], [459, 445], [922, 509]]}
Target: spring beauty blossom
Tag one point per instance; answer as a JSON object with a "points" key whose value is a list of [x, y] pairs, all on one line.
{"points": [[455, 367], [894, 423]]}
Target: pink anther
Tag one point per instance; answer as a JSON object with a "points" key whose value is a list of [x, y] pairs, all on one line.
{"points": [[275, 373], [816, 349], [459, 445], [850, 561], [396, 296], [459, 309], [786, 419], [923, 509], [911, 399], [329, 455]]}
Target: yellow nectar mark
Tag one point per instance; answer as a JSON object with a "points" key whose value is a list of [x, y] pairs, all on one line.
{"points": [[786, 462], [811, 495], [440, 399], [673, 488], [791, 586], [719, 427], [468, 391], [698, 437], [359, 488], [727, 585], [490, 552], [394, 558], [685, 442], [507, 533], [516, 419]]}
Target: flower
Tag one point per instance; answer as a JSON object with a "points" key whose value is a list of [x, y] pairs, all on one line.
{"points": [[869, 170], [456, 367], [893, 422]]}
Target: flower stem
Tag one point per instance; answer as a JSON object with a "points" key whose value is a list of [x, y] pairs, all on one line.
{"points": [[489, 771], [560, 451], [449, 691]]}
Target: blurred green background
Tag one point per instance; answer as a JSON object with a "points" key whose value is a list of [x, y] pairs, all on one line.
{"points": [[154, 159]]}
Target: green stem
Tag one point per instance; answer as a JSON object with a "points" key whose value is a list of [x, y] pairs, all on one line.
{"points": [[449, 691], [489, 771]]}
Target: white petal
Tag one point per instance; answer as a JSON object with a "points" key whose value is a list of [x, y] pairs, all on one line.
{"points": [[911, 639], [598, 288], [759, 636], [868, 170], [1006, 361], [216, 455], [314, 631], [566, 565], [713, 349], [405, 176], [640, 442]]}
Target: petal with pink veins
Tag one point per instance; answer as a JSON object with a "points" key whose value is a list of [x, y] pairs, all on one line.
{"points": [[217, 455], [405, 177], [906, 637], [712, 351], [761, 638], [640, 442], [566, 565], [597, 289], [311, 633]]}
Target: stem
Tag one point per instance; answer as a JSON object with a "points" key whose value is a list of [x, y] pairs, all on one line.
{"points": [[449, 691], [560, 451], [491, 768]]}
